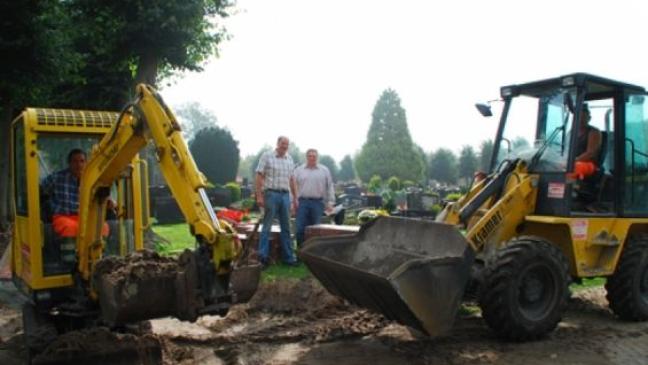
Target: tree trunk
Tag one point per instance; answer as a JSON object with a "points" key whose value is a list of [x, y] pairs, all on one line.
{"points": [[5, 133], [147, 68], [147, 73]]}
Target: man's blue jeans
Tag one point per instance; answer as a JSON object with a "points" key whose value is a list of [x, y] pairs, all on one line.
{"points": [[276, 204], [309, 213]]}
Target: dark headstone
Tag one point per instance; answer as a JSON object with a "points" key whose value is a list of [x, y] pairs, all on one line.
{"points": [[163, 206], [414, 201], [220, 197], [352, 190], [374, 201], [246, 192]]}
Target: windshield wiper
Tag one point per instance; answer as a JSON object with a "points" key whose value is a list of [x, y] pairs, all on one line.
{"points": [[536, 157]]}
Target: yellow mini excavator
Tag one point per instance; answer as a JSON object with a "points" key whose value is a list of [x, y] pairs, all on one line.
{"points": [[518, 238], [64, 279]]}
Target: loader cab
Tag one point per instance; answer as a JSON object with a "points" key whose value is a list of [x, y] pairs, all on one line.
{"points": [[539, 124], [41, 141]]}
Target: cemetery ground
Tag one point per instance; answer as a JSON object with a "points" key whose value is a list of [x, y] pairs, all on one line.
{"points": [[293, 320]]}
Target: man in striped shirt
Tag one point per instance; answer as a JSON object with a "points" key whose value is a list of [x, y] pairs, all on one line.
{"points": [[274, 184]]}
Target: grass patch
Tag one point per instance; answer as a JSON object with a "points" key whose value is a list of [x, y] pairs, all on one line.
{"points": [[469, 309], [588, 283], [279, 271], [179, 237]]}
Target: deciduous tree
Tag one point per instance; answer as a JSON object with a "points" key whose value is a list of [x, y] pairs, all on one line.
{"points": [[346, 169], [154, 37], [36, 48], [485, 154], [467, 163], [246, 168], [329, 162], [194, 117], [443, 166]]}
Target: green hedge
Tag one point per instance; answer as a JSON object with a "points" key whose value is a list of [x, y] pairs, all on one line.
{"points": [[235, 191]]}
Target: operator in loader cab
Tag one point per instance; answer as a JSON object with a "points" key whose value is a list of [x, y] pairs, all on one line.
{"points": [[587, 167], [588, 147], [62, 191]]}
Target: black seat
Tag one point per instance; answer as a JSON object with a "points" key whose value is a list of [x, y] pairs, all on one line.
{"points": [[590, 190], [52, 262], [603, 151], [604, 188]]}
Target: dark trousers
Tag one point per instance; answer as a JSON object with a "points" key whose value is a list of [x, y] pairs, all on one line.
{"points": [[309, 213], [276, 204]]}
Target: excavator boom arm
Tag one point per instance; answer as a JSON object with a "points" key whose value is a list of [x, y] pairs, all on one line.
{"points": [[148, 119]]}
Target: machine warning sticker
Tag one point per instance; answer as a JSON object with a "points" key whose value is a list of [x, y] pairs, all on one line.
{"points": [[556, 190], [579, 229]]}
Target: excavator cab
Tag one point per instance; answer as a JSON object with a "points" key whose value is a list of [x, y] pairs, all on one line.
{"points": [[43, 262], [566, 198]]}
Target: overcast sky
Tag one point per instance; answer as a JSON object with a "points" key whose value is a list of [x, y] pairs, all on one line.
{"points": [[313, 70]]}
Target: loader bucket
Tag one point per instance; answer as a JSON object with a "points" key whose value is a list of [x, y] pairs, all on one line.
{"points": [[411, 271]]}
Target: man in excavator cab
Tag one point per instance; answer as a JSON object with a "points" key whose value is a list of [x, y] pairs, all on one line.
{"points": [[60, 190]]}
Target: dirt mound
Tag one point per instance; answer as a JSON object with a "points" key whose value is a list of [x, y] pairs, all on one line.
{"points": [[10, 323], [176, 354], [140, 265], [101, 346], [301, 297], [589, 300], [288, 311]]}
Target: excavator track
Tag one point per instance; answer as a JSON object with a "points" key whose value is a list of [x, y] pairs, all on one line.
{"points": [[100, 346]]}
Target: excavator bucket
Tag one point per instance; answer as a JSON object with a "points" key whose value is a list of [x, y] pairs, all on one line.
{"points": [[411, 271], [145, 285], [244, 282]]}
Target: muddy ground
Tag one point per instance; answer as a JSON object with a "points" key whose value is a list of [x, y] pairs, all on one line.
{"points": [[298, 322]]}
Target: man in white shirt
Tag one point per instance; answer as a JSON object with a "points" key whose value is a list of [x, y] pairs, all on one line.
{"points": [[315, 193]]}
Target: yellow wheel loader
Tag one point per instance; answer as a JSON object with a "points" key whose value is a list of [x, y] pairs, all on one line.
{"points": [[65, 279], [519, 237]]}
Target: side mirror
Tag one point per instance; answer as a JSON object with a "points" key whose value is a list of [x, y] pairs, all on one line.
{"points": [[484, 109]]}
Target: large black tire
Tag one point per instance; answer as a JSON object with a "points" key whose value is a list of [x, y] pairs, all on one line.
{"points": [[627, 288], [525, 289]]}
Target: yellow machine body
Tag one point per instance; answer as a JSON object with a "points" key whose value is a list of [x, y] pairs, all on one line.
{"points": [[533, 225], [66, 294], [41, 139]]}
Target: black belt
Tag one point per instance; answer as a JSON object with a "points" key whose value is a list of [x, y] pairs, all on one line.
{"points": [[304, 198], [277, 190]]}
